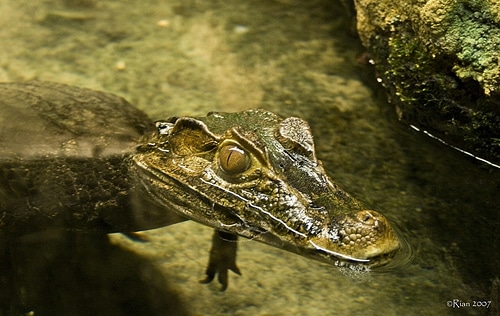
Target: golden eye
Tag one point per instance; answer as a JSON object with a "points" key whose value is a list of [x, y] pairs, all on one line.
{"points": [[233, 159]]}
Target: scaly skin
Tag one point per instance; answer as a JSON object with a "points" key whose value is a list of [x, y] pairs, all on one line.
{"points": [[256, 175], [83, 160]]}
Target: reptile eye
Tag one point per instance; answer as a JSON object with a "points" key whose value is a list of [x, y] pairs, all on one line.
{"points": [[233, 159]]}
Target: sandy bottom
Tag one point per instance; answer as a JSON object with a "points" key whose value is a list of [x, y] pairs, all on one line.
{"points": [[292, 57]]}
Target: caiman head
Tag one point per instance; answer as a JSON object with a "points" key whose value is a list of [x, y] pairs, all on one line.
{"points": [[256, 175]]}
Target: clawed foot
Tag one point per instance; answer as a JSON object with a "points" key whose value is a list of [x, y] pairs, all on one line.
{"points": [[222, 258]]}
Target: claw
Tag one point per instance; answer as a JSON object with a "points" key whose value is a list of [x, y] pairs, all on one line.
{"points": [[222, 258]]}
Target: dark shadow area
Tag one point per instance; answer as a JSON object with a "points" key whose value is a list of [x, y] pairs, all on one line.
{"points": [[460, 209], [80, 274]]}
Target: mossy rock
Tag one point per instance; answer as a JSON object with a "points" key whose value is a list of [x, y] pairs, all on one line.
{"points": [[440, 63]]}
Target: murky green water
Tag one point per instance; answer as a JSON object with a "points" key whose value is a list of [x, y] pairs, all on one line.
{"points": [[292, 57]]}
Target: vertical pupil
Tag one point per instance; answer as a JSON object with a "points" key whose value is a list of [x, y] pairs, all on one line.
{"points": [[233, 159]]}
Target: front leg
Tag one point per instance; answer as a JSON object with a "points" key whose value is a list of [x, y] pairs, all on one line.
{"points": [[222, 258]]}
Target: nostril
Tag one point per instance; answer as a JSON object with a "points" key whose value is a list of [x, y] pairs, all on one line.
{"points": [[366, 217]]}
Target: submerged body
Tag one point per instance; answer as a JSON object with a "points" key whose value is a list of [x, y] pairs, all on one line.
{"points": [[65, 155], [83, 160]]}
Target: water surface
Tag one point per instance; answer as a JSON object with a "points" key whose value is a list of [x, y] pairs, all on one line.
{"points": [[292, 57]]}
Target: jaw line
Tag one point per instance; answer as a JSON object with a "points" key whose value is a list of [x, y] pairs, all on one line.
{"points": [[317, 247], [333, 253], [338, 255]]}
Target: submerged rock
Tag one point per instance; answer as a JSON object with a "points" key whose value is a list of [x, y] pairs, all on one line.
{"points": [[439, 61]]}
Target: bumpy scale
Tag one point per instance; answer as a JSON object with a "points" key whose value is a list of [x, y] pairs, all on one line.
{"points": [[84, 160]]}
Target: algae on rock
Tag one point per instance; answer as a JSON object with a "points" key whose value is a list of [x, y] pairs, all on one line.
{"points": [[440, 62]]}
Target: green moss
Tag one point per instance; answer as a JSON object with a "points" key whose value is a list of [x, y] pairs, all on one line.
{"points": [[405, 57], [429, 94], [471, 32]]}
